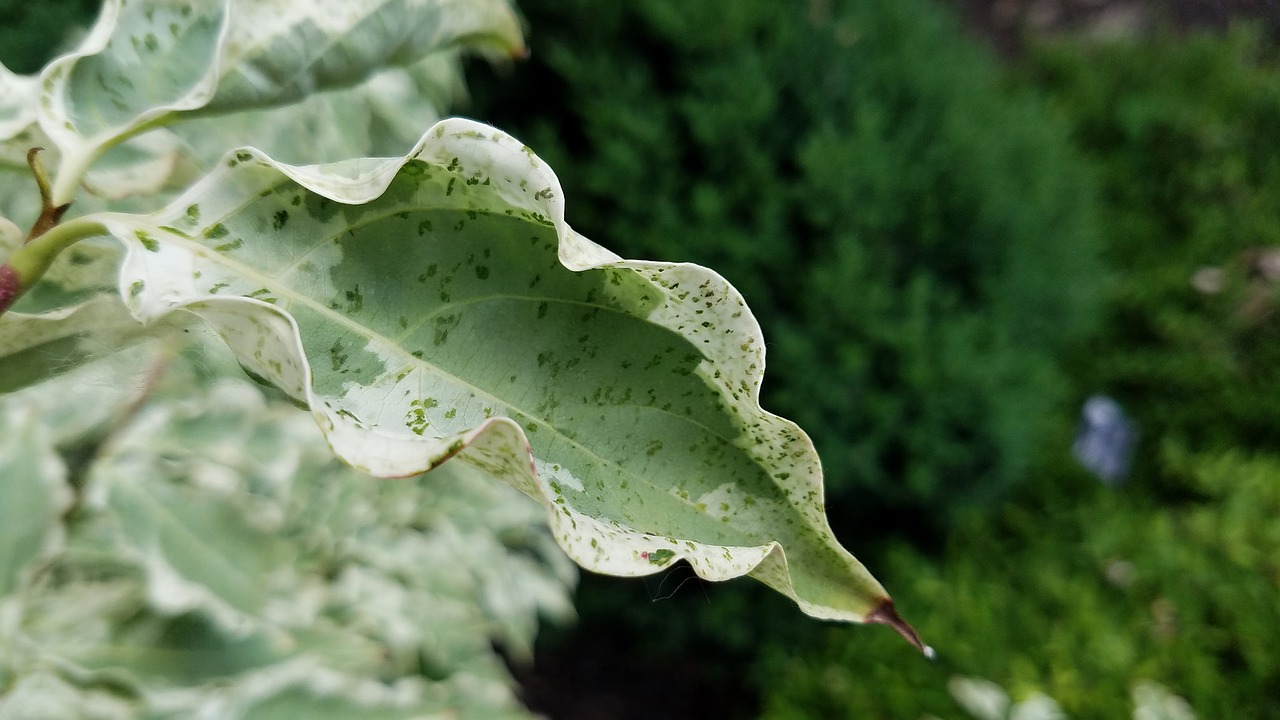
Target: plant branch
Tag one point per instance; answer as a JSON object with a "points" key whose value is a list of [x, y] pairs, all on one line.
{"points": [[50, 213]]}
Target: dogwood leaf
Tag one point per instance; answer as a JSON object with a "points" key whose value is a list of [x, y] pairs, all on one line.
{"points": [[438, 305], [36, 347], [146, 64], [382, 116]]}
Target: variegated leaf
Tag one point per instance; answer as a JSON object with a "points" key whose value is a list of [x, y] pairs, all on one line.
{"points": [[36, 347], [73, 316], [33, 494], [382, 116], [438, 305], [146, 63], [18, 94]]}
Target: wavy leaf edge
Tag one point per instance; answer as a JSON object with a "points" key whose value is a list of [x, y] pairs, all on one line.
{"points": [[232, 20], [499, 445]]}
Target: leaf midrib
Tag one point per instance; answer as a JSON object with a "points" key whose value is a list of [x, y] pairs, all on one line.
{"points": [[341, 319]]}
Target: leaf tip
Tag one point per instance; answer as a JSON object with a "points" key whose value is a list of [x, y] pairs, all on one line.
{"points": [[885, 614]]}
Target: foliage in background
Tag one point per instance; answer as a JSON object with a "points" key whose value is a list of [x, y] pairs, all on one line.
{"points": [[1183, 131], [193, 549], [31, 32], [1081, 591], [914, 233], [915, 236]]}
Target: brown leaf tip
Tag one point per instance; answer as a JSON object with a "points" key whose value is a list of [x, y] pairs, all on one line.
{"points": [[885, 614]]}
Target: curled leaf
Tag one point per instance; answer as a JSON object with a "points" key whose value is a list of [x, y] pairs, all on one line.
{"points": [[145, 64], [33, 494], [18, 95]]}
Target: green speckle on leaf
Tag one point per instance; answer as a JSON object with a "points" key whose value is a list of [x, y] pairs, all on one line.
{"points": [[281, 217], [658, 557], [147, 241], [355, 300], [337, 357], [136, 288], [215, 231], [229, 246]]}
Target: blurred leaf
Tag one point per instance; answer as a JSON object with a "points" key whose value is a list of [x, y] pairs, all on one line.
{"points": [[45, 696], [73, 316], [139, 166], [982, 699], [33, 495], [144, 63], [36, 347], [18, 94], [382, 116], [358, 583], [1037, 706], [198, 552], [1153, 701]]}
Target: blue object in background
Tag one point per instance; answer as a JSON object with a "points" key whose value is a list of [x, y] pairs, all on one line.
{"points": [[1104, 442]]}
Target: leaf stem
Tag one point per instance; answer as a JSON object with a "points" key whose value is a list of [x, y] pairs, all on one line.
{"points": [[29, 263]]}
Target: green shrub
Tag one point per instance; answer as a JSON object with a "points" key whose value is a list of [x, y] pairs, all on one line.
{"points": [[30, 33], [1183, 131], [1081, 594], [914, 235]]}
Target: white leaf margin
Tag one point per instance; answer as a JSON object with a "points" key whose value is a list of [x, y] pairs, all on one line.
{"points": [[268, 342], [18, 94], [54, 110], [242, 26]]}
